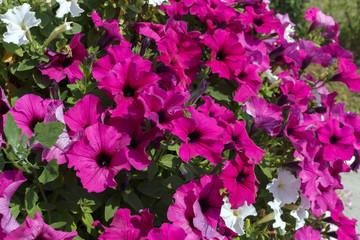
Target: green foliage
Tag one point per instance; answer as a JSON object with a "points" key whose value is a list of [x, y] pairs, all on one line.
{"points": [[48, 133], [50, 172]]}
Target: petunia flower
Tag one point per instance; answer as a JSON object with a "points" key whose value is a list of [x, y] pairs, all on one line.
{"points": [[19, 19], [285, 188], [239, 180], [68, 6], [200, 135], [37, 229], [279, 223], [307, 233], [9, 182], [234, 218], [167, 232], [31, 109], [126, 226], [156, 2], [99, 156], [62, 64]]}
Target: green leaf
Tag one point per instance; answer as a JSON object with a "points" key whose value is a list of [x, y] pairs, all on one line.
{"points": [[58, 225], [132, 199], [27, 64], [169, 161], [152, 170], [48, 133], [172, 182], [13, 48], [111, 206], [87, 219], [42, 81], [2, 161], [151, 189], [50, 172], [31, 198], [11, 130]]}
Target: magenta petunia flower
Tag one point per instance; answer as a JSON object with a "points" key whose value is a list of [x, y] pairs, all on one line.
{"points": [[37, 229], [31, 109], [99, 156], [9, 182], [338, 141], [239, 180], [215, 110], [238, 138], [64, 64], [135, 152], [124, 76], [197, 208], [263, 21], [295, 91], [319, 19], [347, 73], [266, 116], [249, 82], [125, 226], [167, 232], [86, 112], [200, 135], [111, 33], [307, 233], [161, 107], [180, 52], [314, 55], [227, 53]]}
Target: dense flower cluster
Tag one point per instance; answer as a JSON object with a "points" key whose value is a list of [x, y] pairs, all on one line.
{"points": [[152, 106]]}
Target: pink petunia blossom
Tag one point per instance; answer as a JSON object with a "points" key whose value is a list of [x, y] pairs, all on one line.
{"points": [[227, 53], [338, 141], [111, 33], [9, 182], [64, 64], [167, 232], [197, 208], [200, 135], [99, 156], [307, 233], [125, 226], [239, 180], [31, 109], [266, 116], [37, 229], [86, 112], [135, 151]]}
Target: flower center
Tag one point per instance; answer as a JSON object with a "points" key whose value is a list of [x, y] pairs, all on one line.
{"points": [[23, 26], [333, 140], [235, 213], [220, 56], [103, 160], [204, 204], [241, 177], [129, 92], [258, 22], [194, 137]]}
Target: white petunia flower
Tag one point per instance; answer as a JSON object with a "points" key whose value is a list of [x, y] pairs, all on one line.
{"points": [[68, 6], [156, 2], [289, 30], [272, 78], [279, 223], [234, 218], [301, 213], [285, 188], [19, 20]]}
